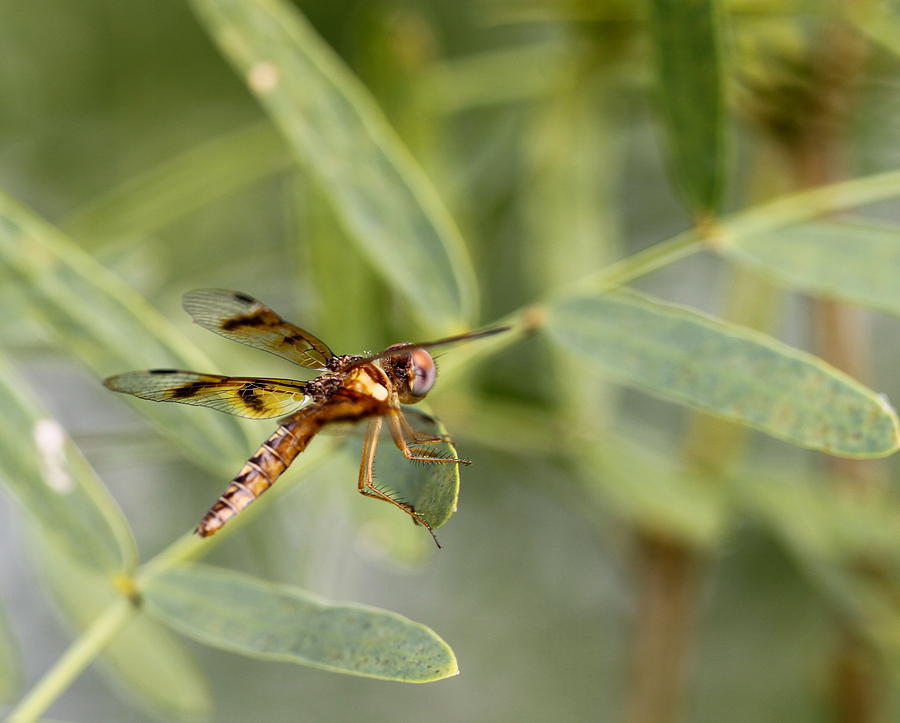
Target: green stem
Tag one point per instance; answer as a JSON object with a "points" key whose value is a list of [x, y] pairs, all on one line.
{"points": [[763, 218], [93, 640], [637, 265], [73, 662]]}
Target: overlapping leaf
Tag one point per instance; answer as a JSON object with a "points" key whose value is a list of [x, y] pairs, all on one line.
{"points": [[723, 369], [62, 496], [108, 326], [245, 615], [336, 129]]}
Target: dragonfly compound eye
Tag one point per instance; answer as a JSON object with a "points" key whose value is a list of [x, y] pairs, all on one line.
{"points": [[422, 372]]}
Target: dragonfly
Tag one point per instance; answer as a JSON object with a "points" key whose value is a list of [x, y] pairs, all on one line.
{"points": [[350, 389]]}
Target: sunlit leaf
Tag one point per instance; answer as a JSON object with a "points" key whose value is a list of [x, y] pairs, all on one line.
{"points": [[334, 126], [144, 660], [10, 670], [723, 369], [836, 259], [236, 612], [47, 475], [109, 327], [182, 184], [690, 88]]}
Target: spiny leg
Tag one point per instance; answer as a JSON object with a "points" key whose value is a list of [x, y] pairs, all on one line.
{"points": [[396, 422], [366, 482], [420, 437]]}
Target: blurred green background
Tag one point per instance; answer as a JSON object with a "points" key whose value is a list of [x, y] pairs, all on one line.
{"points": [[610, 549]]}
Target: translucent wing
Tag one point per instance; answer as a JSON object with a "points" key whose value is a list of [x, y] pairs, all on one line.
{"points": [[250, 397], [242, 318]]}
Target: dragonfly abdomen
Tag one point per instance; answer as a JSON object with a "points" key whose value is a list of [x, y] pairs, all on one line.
{"points": [[260, 472]]}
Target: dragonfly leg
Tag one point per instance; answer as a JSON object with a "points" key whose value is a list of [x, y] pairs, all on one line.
{"points": [[396, 422], [366, 481], [420, 437]]}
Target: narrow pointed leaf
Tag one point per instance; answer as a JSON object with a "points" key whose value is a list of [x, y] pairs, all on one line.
{"points": [[853, 262], [245, 615], [183, 184], [691, 95], [63, 498], [336, 129], [691, 358], [109, 327], [145, 661], [10, 670]]}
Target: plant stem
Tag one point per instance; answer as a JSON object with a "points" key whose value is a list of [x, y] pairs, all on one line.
{"points": [[669, 575], [73, 662]]}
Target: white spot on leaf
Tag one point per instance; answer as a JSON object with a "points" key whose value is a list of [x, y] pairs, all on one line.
{"points": [[50, 440], [263, 77]]}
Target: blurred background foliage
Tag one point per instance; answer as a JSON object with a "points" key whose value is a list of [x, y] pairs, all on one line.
{"points": [[616, 556]]}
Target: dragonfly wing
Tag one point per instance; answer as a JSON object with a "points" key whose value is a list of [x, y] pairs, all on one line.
{"points": [[242, 318], [250, 397]]}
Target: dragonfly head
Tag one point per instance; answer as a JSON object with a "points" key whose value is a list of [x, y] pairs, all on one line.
{"points": [[413, 372]]}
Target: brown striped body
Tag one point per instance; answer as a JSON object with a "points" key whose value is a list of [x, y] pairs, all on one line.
{"points": [[260, 472], [362, 395]]}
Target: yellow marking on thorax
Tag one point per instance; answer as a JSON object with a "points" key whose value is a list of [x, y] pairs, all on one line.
{"points": [[362, 380]]}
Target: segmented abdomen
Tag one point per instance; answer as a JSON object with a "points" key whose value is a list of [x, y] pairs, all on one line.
{"points": [[260, 472]]}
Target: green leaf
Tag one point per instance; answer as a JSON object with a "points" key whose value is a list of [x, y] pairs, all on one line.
{"points": [[691, 358], [853, 262], [433, 489], [495, 77], [144, 659], [48, 476], [334, 126], [691, 92], [823, 519], [10, 669], [654, 493], [879, 21], [249, 616], [110, 328], [183, 184], [844, 540]]}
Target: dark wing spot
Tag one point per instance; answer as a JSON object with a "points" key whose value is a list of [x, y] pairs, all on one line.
{"points": [[188, 390], [163, 371], [260, 318], [294, 339], [248, 396], [243, 297]]}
